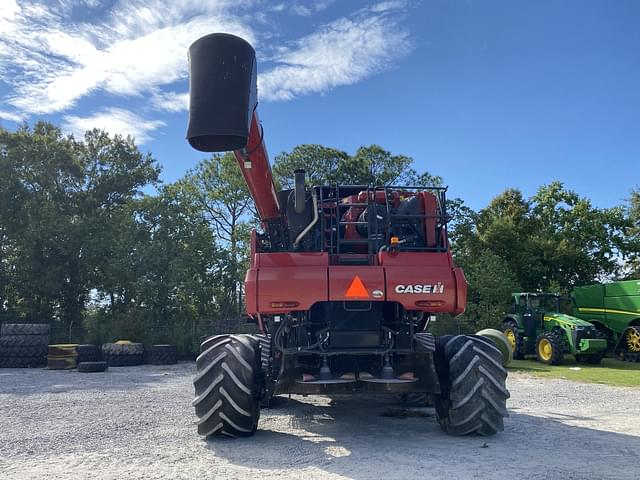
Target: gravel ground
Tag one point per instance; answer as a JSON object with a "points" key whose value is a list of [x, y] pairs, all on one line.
{"points": [[136, 423]]}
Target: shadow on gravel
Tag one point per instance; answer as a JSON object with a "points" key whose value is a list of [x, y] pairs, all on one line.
{"points": [[353, 438], [27, 381]]}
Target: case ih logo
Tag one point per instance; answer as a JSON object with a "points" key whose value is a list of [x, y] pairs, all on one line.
{"points": [[436, 288]]}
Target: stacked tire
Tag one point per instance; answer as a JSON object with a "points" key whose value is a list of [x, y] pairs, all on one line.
{"points": [[122, 353], [23, 345], [161, 355], [62, 356], [88, 353], [90, 359]]}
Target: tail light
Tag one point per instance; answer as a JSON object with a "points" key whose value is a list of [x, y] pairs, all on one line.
{"points": [[284, 304], [430, 303]]}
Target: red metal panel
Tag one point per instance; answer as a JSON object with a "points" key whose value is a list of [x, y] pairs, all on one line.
{"points": [[409, 285], [305, 286], [461, 286], [426, 259], [341, 278], [251, 291], [266, 260]]}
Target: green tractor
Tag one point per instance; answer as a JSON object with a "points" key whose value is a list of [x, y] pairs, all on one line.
{"points": [[537, 325]]}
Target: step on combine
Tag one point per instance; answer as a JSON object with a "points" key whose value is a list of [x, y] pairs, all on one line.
{"points": [[342, 284]]}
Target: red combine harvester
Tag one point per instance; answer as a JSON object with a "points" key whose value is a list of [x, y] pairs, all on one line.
{"points": [[342, 284]]}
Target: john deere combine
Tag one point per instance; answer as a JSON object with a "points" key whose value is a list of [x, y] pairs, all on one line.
{"points": [[537, 325], [614, 308]]}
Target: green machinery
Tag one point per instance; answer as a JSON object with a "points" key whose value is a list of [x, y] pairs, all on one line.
{"points": [[537, 325], [614, 308]]}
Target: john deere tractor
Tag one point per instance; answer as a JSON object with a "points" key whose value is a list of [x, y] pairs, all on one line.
{"points": [[537, 326]]}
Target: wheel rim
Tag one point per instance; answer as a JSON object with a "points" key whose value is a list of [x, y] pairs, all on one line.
{"points": [[511, 337], [633, 340], [545, 349]]}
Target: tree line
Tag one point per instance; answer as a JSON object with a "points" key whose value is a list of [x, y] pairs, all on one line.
{"points": [[83, 247]]}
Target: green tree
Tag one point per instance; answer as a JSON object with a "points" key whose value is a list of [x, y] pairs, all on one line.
{"points": [[58, 195], [633, 235], [370, 165], [578, 242], [217, 190], [321, 164]]}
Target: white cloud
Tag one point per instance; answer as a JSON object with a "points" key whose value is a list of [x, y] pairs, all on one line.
{"points": [[142, 45], [171, 101], [114, 121], [341, 53], [388, 5], [137, 48], [11, 116]]}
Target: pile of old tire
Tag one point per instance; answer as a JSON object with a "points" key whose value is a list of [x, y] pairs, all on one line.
{"points": [[92, 367], [88, 353], [161, 355], [62, 356], [23, 345], [122, 353]]}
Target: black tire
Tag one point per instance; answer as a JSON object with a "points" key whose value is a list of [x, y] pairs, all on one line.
{"points": [[424, 342], [92, 367], [473, 398], [23, 362], [519, 350], [264, 339], [24, 340], [24, 351], [123, 349], [228, 386], [161, 355], [24, 329], [265, 350], [122, 360], [557, 352], [594, 359], [88, 353]]}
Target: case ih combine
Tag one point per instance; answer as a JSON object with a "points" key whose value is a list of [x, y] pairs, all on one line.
{"points": [[342, 283]]}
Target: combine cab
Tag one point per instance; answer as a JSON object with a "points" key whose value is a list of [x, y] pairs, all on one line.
{"points": [[537, 325], [342, 284]]}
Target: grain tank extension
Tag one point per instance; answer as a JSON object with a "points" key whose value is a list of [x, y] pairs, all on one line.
{"points": [[342, 283]]}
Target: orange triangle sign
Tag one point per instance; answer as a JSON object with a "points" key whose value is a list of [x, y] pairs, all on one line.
{"points": [[356, 289]]}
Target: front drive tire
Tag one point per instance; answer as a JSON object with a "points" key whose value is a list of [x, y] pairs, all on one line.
{"points": [[228, 386], [593, 359], [473, 398], [549, 349]]}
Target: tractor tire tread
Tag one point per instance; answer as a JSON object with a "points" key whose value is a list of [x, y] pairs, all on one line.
{"points": [[473, 386], [92, 367], [24, 340], [227, 387], [24, 329]]}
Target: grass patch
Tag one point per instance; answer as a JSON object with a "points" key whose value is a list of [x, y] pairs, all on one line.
{"points": [[609, 372]]}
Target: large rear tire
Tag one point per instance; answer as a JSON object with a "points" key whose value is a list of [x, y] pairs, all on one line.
{"points": [[510, 330], [473, 398], [228, 386]]}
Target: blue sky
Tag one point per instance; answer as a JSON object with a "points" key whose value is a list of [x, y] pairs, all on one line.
{"points": [[488, 94]]}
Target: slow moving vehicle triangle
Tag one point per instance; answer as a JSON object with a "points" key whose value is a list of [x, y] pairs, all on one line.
{"points": [[357, 289]]}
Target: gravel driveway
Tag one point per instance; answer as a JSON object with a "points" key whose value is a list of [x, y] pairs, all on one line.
{"points": [[135, 423]]}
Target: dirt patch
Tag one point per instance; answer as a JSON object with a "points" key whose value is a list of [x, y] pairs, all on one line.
{"points": [[138, 423]]}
